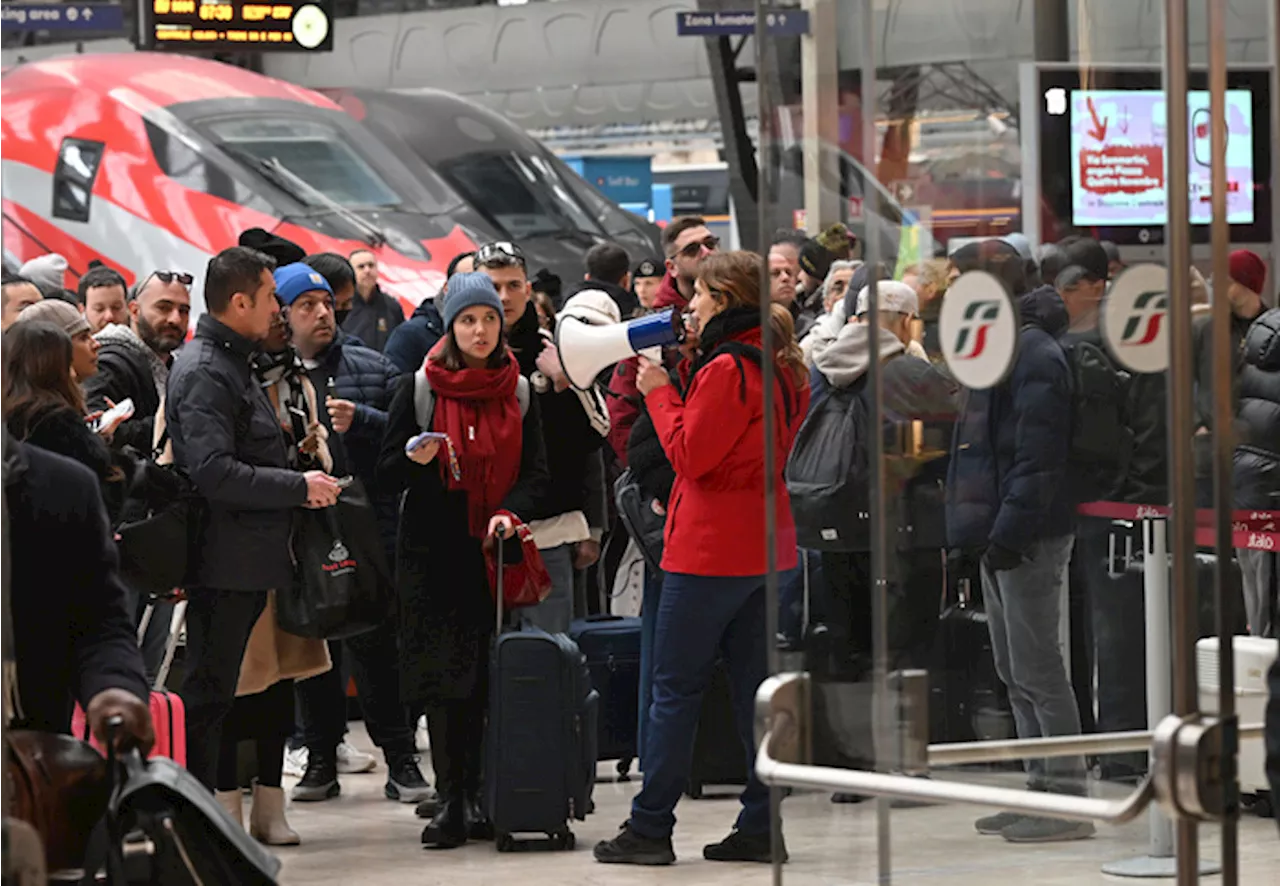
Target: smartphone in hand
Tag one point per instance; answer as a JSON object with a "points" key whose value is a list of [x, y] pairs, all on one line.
{"points": [[416, 443], [122, 411]]}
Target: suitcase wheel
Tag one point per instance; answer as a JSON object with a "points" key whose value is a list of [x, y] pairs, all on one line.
{"points": [[695, 790], [565, 840], [504, 842], [624, 769]]}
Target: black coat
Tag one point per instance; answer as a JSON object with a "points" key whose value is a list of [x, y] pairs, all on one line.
{"points": [[573, 442], [373, 321], [73, 635], [1007, 478], [446, 609], [124, 372], [226, 436], [1257, 458], [62, 430]]}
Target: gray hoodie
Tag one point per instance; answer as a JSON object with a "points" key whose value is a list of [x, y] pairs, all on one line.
{"points": [[913, 388]]}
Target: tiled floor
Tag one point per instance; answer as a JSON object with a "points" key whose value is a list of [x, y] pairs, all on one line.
{"points": [[361, 838]]}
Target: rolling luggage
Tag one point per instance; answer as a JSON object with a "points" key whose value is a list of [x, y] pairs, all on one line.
{"points": [[968, 702], [168, 714], [611, 645], [541, 742], [718, 755]]}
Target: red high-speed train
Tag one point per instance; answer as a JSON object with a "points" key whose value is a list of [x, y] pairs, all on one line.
{"points": [[159, 161]]}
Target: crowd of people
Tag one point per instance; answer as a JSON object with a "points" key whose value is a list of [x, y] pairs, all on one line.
{"points": [[302, 375]]}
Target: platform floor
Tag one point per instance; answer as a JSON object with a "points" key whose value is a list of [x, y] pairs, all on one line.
{"points": [[362, 838]]}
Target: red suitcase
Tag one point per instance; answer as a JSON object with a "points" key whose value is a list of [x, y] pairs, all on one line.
{"points": [[168, 717]]}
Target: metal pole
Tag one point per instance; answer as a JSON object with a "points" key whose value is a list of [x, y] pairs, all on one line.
{"points": [[882, 714], [764, 195], [1223, 442], [1181, 424]]}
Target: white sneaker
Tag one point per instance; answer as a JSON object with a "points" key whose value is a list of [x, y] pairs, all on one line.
{"points": [[351, 761], [295, 762], [421, 737]]}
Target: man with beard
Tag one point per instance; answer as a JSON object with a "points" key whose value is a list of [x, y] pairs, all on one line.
{"points": [[134, 360]]}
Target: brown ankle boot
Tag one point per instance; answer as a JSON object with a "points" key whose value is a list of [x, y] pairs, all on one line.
{"points": [[267, 823]]}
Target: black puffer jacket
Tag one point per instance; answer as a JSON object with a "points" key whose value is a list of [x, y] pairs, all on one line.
{"points": [[1257, 458], [125, 371], [411, 340], [226, 436]]}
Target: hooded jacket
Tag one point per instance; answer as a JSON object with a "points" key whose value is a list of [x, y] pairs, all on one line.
{"points": [[1006, 483], [128, 368], [414, 338], [1257, 458]]}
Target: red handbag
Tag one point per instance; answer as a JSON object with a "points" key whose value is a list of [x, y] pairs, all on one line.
{"points": [[526, 583]]}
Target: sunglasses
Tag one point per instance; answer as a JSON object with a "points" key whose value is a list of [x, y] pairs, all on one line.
{"points": [[165, 277], [694, 249], [499, 253]]}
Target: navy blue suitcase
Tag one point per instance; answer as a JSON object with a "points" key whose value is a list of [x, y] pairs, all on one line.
{"points": [[611, 645], [541, 736]]}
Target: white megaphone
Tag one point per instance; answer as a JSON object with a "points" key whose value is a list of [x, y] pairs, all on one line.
{"points": [[586, 349]]}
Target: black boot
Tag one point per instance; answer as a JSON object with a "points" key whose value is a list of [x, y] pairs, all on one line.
{"points": [[448, 830], [320, 781], [479, 827]]}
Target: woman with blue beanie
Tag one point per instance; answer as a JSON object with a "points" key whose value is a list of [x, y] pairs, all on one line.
{"points": [[487, 475]]}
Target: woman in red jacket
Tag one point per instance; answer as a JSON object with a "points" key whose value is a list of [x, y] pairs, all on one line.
{"points": [[713, 596]]}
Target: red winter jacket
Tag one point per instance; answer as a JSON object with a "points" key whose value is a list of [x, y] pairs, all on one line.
{"points": [[623, 408], [715, 441]]}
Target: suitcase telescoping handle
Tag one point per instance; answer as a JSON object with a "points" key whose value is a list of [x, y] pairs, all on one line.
{"points": [[498, 540]]}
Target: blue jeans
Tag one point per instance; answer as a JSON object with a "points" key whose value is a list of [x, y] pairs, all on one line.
{"points": [[699, 618], [649, 604], [555, 613]]}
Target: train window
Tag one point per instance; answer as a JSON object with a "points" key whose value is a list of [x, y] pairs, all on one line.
{"points": [[183, 163], [78, 161], [314, 152], [518, 193]]}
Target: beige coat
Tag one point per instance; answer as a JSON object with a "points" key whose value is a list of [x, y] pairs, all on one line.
{"points": [[274, 655]]}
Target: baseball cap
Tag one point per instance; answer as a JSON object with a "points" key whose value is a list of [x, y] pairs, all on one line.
{"points": [[649, 268], [892, 295], [295, 279]]}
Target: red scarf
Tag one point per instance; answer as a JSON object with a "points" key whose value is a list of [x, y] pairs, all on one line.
{"points": [[478, 409]]}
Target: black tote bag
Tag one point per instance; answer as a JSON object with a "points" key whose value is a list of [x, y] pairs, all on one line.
{"points": [[341, 585]]}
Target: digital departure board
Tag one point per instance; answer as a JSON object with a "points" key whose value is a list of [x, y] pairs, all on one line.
{"points": [[237, 26]]}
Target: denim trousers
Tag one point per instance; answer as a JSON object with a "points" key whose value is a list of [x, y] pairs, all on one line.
{"points": [[700, 618], [1024, 612], [649, 604]]}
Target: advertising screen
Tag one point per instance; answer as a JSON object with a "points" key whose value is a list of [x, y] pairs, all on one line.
{"points": [[1118, 140]]}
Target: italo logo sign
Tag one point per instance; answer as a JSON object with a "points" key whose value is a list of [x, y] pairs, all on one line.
{"points": [[1135, 318], [978, 329], [980, 318]]}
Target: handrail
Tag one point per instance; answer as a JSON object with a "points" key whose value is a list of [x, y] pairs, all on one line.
{"points": [[775, 773], [962, 753]]}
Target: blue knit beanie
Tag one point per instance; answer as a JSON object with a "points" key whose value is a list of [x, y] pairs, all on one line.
{"points": [[466, 291]]}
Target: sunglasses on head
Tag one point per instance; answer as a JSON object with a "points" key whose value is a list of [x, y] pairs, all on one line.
{"points": [[165, 277], [501, 253], [694, 249]]}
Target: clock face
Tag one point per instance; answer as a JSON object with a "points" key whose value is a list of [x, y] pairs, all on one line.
{"points": [[310, 26]]}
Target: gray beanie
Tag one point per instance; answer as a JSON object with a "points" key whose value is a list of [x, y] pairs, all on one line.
{"points": [[466, 291], [46, 271]]}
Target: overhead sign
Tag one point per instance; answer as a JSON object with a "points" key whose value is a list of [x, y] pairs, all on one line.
{"points": [[730, 22], [1135, 318], [979, 330], [236, 25], [62, 17]]}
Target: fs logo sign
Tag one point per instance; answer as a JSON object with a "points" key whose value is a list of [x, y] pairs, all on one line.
{"points": [[978, 329], [980, 318], [1135, 318]]}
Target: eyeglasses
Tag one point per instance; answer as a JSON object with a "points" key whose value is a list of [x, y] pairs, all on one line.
{"points": [[694, 249], [499, 253]]}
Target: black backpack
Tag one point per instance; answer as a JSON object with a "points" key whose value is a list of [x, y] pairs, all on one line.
{"points": [[1101, 435], [828, 473]]}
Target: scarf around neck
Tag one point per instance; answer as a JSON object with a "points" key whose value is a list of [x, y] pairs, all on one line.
{"points": [[478, 410]]}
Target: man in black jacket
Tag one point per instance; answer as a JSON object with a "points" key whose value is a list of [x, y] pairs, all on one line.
{"points": [[363, 383], [134, 360], [226, 436], [374, 314], [608, 269]]}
